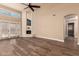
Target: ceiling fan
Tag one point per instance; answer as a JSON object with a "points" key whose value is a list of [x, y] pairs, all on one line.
{"points": [[31, 6]]}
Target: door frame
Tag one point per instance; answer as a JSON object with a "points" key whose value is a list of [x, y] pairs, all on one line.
{"points": [[75, 25]]}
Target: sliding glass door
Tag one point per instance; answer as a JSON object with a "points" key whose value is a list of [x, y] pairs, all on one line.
{"points": [[9, 30], [4, 29], [12, 30], [15, 30]]}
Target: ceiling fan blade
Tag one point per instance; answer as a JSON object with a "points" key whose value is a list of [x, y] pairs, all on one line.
{"points": [[35, 6], [26, 8], [29, 3], [31, 8], [24, 4]]}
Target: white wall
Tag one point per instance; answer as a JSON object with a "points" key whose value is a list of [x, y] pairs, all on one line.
{"points": [[48, 26]]}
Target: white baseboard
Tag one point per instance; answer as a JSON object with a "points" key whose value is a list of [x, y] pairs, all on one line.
{"points": [[28, 35], [51, 38], [78, 43], [47, 38]]}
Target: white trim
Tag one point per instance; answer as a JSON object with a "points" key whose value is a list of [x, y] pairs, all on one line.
{"points": [[51, 38], [27, 35], [78, 43]]}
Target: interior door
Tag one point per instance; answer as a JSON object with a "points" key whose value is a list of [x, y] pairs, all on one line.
{"points": [[71, 29]]}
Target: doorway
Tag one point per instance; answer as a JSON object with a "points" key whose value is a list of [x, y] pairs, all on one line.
{"points": [[70, 29], [71, 26]]}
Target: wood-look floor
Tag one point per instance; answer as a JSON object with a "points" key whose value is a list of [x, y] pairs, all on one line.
{"points": [[42, 47], [35, 47]]}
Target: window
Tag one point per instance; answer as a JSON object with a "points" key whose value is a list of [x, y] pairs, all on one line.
{"points": [[9, 13]]}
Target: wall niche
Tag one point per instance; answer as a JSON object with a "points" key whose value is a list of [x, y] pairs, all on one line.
{"points": [[28, 31]]}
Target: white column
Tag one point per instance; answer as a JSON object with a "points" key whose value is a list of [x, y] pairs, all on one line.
{"points": [[24, 23]]}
